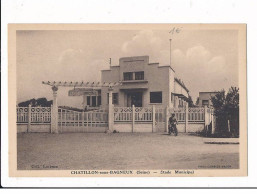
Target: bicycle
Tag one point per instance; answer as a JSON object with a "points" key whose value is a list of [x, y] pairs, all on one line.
{"points": [[173, 129]]}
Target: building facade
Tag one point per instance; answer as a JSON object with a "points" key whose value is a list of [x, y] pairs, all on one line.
{"points": [[205, 98], [143, 84]]}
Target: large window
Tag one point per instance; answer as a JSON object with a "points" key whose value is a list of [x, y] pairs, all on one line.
{"points": [[128, 76], [156, 97], [139, 75], [93, 101], [115, 98]]}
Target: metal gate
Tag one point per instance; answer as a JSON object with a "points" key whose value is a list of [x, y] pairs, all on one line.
{"points": [[75, 121], [160, 119]]}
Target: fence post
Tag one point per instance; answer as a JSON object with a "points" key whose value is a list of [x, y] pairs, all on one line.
{"points": [[153, 117], [186, 117], [82, 119], [133, 118], [29, 119], [205, 118], [213, 123], [111, 113], [166, 118], [54, 109]]}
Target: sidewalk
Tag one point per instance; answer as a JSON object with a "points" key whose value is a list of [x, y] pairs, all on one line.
{"points": [[221, 140]]}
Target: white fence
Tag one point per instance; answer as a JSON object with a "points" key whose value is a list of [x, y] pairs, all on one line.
{"points": [[145, 114], [33, 119], [22, 115], [196, 115], [128, 114], [74, 121], [122, 114], [33, 115], [153, 118], [189, 119]]}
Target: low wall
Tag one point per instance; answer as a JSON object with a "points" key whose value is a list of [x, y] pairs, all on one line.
{"points": [[72, 129], [121, 127], [195, 127], [34, 128], [181, 127], [127, 127], [191, 127], [143, 127], [22, 128]]}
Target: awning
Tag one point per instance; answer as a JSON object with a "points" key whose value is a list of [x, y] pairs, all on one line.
{"points": [[181, 96], [134, 85]]}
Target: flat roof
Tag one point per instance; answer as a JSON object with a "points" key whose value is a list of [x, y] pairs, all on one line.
{"points": [[182, 84], [208, 92]]}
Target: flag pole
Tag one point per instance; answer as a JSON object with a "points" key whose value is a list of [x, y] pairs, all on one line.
{"points": [[170, 51]]}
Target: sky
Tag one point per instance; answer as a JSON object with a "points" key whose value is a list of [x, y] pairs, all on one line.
{"points": [[205, 60]]}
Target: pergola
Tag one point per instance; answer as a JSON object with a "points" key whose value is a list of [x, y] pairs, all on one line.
{"points": [[95, 85], [82, 84]]}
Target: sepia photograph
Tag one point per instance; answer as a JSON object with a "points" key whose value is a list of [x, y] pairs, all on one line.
{"points": [[159, 100]]}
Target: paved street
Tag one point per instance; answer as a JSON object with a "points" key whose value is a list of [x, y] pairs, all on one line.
{"points": [[123, 151]]}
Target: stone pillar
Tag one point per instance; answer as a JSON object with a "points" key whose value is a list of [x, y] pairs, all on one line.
{"points": [[167, 119], [205, 118], [82, 119], [186, 117], [29, 119], [133, 118], [84, 103], [153, 117], [110, 117], [54, 115], [213, 123]]}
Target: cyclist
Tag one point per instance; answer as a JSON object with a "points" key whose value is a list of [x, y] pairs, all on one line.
{"points": [[173, 124]]}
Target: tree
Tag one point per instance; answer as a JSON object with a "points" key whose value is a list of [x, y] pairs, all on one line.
{"points": [[36, 102], [226, 108], [197, 101], [190, 102]]}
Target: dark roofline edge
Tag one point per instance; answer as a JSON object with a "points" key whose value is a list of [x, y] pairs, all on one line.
{"points": [[181, 84]]}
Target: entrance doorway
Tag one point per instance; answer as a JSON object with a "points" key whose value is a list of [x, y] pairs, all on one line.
{"points": [[134, 98]]}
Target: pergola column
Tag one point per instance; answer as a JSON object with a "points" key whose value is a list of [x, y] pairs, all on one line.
{"points": [[186, 116], [84, 103], [110, 117], [54, 116]]}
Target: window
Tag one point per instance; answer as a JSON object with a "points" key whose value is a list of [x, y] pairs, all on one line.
{"points": [[156, 97], [171, 97], [128, 76], [139, 75], [88, 100], [115, 98], [205, 102], [99, 100], [181, 103], [93, 101]]}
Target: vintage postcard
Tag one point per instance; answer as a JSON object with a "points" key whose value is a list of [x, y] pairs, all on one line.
{"points": [[127, 100]]}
